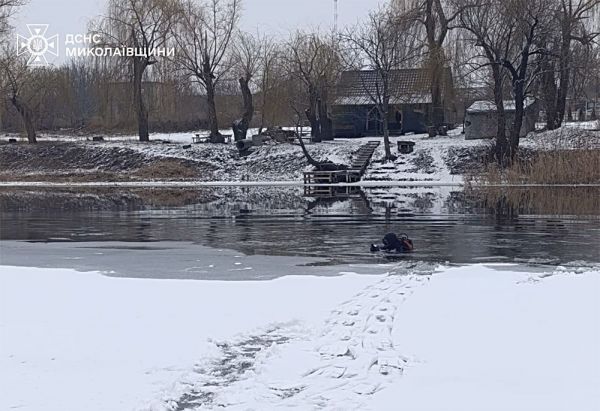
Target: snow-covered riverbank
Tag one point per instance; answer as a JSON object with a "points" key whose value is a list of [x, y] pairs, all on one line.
{"points": [[427, 338], [168, 159]]}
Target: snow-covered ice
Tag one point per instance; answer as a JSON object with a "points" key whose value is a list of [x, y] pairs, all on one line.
{"points": [[423, 337]]}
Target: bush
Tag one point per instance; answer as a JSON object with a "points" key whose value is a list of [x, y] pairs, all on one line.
{"points": [[548, 167]]}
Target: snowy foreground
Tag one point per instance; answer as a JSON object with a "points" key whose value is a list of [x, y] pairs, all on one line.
{"points": [[480, 337]]}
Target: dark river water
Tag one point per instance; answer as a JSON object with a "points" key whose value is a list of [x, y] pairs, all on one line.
{"points": [[444, 225]]}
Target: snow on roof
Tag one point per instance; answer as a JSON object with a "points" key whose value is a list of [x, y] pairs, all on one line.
{"points": [[483, 106], [414, 98]]}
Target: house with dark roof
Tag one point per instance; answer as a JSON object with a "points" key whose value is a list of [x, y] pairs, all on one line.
{"points": [[355, 114]]}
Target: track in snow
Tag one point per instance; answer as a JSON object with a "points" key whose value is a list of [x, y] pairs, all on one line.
{"points": [[353, 356]]}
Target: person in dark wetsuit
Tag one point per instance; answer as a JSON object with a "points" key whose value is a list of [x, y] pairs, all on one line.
{"points": [[391, 242]]}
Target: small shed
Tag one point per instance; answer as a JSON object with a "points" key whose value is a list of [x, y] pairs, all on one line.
{"points": [[481, 119]]}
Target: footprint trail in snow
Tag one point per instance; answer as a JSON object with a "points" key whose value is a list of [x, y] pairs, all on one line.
{"points": [[338, 367], [356, 351]]}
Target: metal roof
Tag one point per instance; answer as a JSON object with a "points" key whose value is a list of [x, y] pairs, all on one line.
{"points": [[407, 86]]}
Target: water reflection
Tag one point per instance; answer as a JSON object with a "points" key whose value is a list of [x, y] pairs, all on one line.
{"points": [[445, 225], [583, 201]]}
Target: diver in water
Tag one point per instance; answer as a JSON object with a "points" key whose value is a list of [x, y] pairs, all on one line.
{"points": [[393, 243]]}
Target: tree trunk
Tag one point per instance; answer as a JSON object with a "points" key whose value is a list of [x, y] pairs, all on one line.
{"points": [[312, 116], [325, 122], [213, 123], [502, 146], [139, 66], [315, 131], [519, 77], [309, 158], [515, 133], [264, 99], [386, 141], [386, 128], [436, 29], [436, 69], [564, 73], [27, 116], [438, 109], [263, 107], [555, 110], [209, 83], [240, 127], [549, 93]]}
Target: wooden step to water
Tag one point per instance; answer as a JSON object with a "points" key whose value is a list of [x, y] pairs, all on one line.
{"points": [[358, 166]]}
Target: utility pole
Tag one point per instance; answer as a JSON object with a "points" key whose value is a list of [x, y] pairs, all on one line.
{"points": [[335, 16]]}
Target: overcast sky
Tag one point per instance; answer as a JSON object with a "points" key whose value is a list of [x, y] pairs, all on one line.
{"points": [[276, 17]]}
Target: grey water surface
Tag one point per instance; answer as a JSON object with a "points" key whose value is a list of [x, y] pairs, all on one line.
{"points": [[324, 236]]}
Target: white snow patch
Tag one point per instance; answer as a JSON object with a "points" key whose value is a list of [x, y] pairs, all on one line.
{"points": [[404, 169], [564, 138], [71, 340], [478, 337], [486, 339], [468, 338]]}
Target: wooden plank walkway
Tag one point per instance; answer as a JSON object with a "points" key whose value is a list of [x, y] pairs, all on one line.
{"points": [[360, 161], [362, 158]]}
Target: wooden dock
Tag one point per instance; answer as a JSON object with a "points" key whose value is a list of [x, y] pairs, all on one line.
{"points": [[319, 183]]}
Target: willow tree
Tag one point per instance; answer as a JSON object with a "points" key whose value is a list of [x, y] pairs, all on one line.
{"points": [[436, 18], [144, 26], [204, 36], [314, 61], [247, 55]]}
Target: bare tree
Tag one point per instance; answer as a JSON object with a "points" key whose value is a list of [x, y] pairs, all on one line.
{"points": [[486, 32], [268, 75], [145, 26], [383, 44], [314, 60], [247, 54], [18, 85], [508, 34], [7, 9], [573, 18], [14, 73], [203, 37], [526, 21], [438, 19]]}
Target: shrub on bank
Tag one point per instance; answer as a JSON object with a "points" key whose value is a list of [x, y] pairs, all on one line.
{"points": [[548, 167]]}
